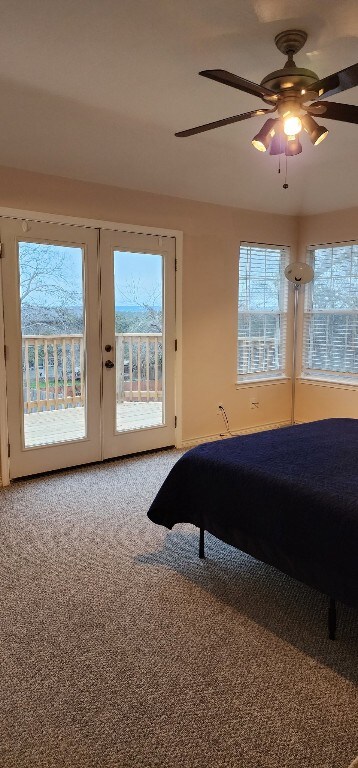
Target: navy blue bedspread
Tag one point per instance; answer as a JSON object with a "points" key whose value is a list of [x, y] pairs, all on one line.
{"points": [[289, 497]]}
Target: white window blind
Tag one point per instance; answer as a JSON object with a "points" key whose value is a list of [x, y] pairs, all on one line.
{"points": [[330, 332], [262, 328]]}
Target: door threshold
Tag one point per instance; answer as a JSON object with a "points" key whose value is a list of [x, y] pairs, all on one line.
{"points": [[63, 470]]}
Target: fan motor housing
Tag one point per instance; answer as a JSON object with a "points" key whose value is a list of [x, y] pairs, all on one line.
{"points": [[295, 78], [290, 77]]}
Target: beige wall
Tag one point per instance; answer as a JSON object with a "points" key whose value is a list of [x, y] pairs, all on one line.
{"points": [[212, 235], [314, 400]]}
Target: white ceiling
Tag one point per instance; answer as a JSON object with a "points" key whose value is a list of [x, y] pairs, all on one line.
{"points": [[95, 89]]}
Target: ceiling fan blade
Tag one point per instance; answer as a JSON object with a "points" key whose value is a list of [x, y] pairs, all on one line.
{"points": [[336, 83], [348, 113], [224, 121], [227, 78]]}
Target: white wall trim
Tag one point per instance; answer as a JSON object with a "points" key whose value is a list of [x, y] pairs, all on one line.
{"points": [[236, 433], [76, 221], [4, 435], [331, 245], [179, 337]]}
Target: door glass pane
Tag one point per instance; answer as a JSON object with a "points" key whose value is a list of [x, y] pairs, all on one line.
{"points": [[53, 347], [138, 281]]}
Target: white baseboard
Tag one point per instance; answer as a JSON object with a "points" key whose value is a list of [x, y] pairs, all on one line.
{"points": [[235, 433]]}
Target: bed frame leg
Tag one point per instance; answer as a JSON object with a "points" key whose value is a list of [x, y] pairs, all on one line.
{"points": [[332, 619], [201, 543]]}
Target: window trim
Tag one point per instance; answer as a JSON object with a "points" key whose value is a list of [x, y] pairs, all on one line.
{"points": [[246, 384], [333, 378], [276, 376]]}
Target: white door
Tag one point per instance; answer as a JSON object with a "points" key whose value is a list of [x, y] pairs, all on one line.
{"points": [[138, 341], [89, 334], [53, 364]]}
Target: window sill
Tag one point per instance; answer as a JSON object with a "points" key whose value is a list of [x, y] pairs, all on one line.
{"points": [[331, 383], [261, 382]]}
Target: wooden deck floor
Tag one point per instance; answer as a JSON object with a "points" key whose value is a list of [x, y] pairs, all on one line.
{"points": [[59, 426]]}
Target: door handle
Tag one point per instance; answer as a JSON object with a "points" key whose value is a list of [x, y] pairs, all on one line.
{"points": [[109, 364]]}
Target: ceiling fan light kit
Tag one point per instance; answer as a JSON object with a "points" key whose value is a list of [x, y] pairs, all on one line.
{"points": [[292, 125], [278, 144], [316, 132], [293, 146], [263, 138], [288, 91]]}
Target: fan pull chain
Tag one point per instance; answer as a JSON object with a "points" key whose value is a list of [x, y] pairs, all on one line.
{"points": [[279, 163], [285, 185]]}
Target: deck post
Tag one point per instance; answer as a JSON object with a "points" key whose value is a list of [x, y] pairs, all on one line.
{"points": [[332, 619], [201, 543]]}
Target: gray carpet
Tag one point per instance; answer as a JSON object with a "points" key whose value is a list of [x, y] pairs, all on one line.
{"points": [[119, 647]]}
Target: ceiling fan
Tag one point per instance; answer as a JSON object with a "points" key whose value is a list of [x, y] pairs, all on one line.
{"points": [[287, 92]]}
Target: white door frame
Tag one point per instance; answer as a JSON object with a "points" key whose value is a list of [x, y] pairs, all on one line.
{"points": [[4, 435], [53, 218]]}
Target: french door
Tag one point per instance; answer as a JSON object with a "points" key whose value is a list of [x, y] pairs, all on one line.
{"points": [[138, 341], [89, 321]]}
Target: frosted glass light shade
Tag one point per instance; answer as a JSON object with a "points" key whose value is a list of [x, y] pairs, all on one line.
{"points": [[292, 125]]}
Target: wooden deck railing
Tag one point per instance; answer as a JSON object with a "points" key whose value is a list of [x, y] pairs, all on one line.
{"points": [[53, 370], [257, 354], [139, 366]]}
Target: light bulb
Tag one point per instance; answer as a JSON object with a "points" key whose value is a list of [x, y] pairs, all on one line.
{"points": [[259, 145], [323, 134], [292, 125]]}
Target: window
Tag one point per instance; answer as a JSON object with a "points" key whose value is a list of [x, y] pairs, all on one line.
{"points": [[330, 334], [262, 312]]}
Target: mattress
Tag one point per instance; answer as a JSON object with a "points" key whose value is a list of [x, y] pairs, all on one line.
{"points": [[288, 496]]}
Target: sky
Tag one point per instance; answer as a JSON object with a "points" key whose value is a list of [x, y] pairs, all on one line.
{"points": [[138, 278]]}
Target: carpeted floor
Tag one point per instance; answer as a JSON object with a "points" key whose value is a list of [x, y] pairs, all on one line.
{"points": [[120, 648]]}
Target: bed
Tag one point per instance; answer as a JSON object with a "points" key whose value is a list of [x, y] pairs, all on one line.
{"points": [[288, 497]]}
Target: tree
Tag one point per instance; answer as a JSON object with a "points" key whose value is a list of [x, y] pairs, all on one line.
{"points": [[147, 316], [50, 304], [144, 317]]}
